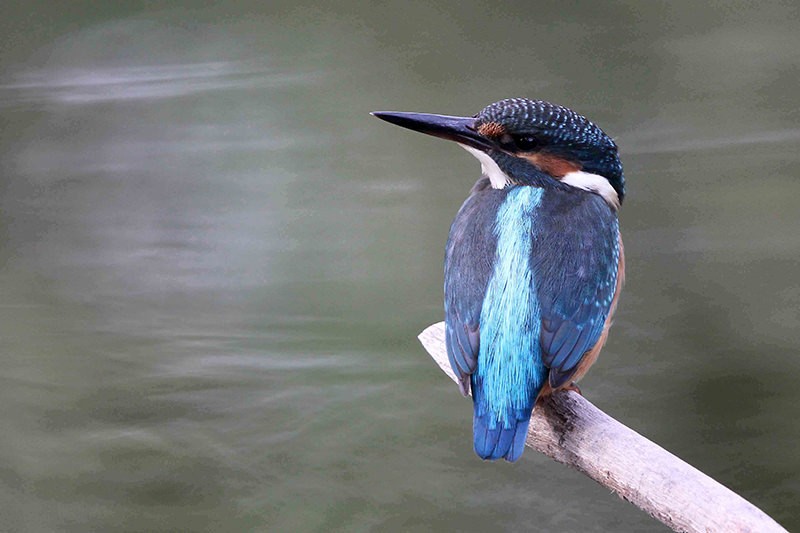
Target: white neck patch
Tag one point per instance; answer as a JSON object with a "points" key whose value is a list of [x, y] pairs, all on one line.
{"points": [[593, 183], [489, 168], [581, 180]]}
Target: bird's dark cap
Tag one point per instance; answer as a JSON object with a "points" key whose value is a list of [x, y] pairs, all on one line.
{"points": [[557, 123]]}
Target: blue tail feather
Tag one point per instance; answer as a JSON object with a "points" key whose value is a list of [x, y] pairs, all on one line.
{"points": [[501, 442]]}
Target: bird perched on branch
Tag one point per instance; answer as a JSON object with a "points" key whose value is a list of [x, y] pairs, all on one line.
{"points": [[534, 261]]}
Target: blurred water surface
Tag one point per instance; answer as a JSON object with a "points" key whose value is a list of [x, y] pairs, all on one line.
{"points": [[215, 263]]}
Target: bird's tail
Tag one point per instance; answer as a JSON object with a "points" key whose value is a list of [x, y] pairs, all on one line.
{"points": [[500, 442]]}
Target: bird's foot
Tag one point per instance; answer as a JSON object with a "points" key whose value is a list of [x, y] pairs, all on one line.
{"points": [[573, 387]]}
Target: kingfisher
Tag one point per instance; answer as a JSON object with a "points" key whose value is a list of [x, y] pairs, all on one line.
{"points": [[534, 262]]}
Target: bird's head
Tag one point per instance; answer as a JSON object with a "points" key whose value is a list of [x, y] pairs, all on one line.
{"points": [[530, 142]]}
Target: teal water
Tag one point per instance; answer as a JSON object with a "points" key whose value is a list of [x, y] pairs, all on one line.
{"points": [[215, 262]]}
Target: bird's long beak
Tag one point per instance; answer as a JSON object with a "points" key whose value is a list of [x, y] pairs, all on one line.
{"points": [[458, 129]]}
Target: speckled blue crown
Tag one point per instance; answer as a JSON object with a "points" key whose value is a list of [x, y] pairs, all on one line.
{"points": [[564, 130]]}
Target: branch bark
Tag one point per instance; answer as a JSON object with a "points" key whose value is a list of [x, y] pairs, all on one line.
{"points": [[568, 428]]}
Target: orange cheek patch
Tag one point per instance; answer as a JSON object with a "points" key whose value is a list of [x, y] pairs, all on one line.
{"points": [[553, 165], [491, 129]]}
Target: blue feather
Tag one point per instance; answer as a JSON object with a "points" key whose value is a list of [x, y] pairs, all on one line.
{"points": [[466, 276], [578, 283], [510, 372], [500, 443]]}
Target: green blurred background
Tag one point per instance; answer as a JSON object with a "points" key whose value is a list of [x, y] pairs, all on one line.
{"points": [[215, 262]]}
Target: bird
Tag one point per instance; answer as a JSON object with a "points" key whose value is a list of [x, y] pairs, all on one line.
{"points": [[534, 261]]}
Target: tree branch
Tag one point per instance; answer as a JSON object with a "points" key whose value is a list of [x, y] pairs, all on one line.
{"points": [[568, 428]]}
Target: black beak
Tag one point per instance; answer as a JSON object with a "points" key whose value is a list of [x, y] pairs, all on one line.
{"points": [[458, 129]]}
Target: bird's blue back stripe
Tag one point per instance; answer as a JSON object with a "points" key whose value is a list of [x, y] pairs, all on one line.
{"points": [[510, 365]]}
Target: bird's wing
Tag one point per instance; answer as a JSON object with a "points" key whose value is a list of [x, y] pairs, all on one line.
{"points": [[577, 300], [468, 265], [463, 345]]}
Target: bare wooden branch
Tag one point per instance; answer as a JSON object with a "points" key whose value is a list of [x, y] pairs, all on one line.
{"points": [[569, 429]]}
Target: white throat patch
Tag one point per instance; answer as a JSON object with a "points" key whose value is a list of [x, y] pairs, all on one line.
{"points": [[594, 183], [581, 180], [489, 168]]}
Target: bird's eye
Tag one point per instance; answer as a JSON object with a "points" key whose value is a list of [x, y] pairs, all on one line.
{"points": [[526, 142]]}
